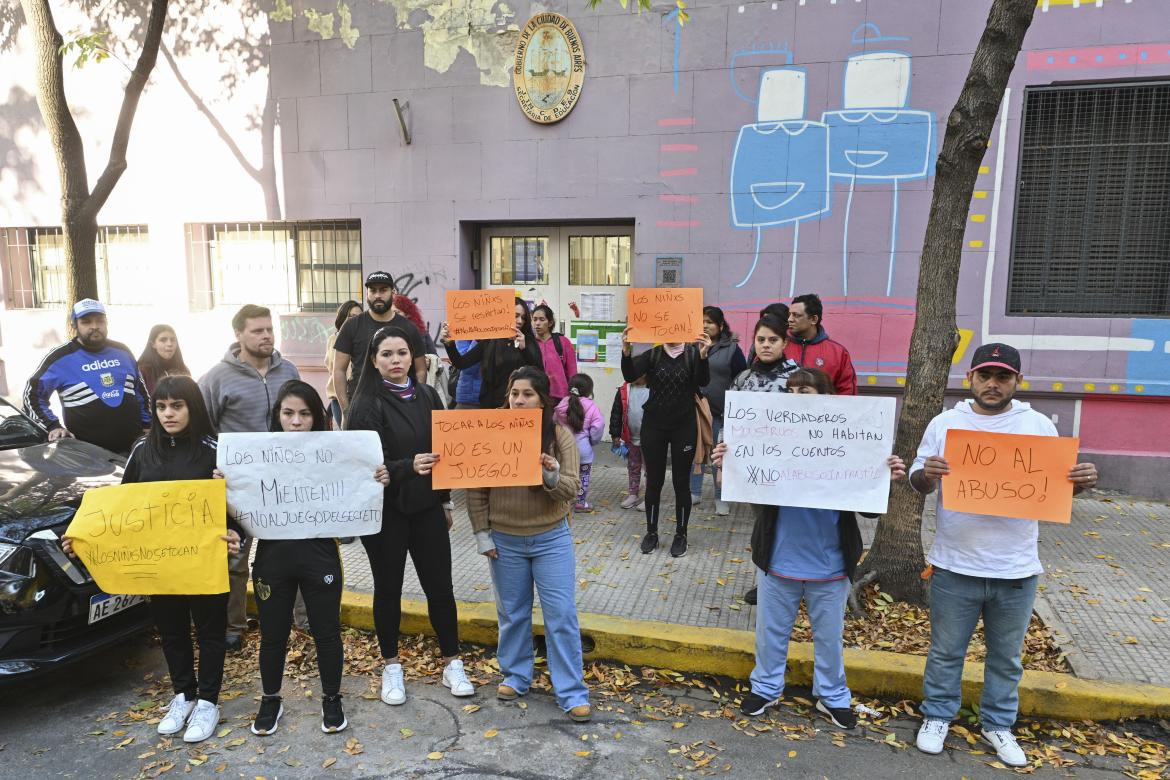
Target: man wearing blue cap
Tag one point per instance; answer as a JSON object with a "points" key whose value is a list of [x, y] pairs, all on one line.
{"points": [[102, 396]]}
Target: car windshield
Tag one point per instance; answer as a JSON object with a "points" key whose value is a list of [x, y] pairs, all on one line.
{"points": [[16, 429]]}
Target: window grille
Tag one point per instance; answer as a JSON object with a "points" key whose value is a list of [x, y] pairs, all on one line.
{"points": [[1092, 217]]}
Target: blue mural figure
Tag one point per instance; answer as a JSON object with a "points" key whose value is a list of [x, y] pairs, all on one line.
{"points": [[780, 166], [874, 137]]}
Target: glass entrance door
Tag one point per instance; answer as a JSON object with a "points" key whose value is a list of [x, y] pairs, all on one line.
{"points": [[582, 273]]}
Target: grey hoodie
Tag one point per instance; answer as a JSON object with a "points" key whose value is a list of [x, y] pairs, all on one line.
{"points": [[238, 399]]}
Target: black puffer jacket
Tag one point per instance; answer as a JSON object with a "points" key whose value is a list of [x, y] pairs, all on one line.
{"points": [[179, 458]]}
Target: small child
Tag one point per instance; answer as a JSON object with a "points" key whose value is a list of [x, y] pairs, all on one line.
{"points": [[625, 426], [580, 415]]}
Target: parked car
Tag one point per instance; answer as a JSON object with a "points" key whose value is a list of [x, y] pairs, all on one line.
{"points": [[51, 612]]}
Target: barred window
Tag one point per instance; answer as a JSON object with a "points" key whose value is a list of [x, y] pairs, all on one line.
{"points": [[519, 260], [1091, 234], [310, 266], [599, 260], [122, 257]]}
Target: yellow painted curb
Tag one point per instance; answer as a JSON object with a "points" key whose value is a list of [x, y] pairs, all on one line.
{"points": [[730, 653]]}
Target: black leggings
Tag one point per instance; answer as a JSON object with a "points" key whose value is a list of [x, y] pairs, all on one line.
{"points": [[424, 536], [313, 566], [173, 616], [681, 440]]}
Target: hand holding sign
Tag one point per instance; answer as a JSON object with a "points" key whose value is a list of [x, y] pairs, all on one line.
{"points": [[671, 315], [481, 314], [154, 538], [1008, 475], [486, 448]]}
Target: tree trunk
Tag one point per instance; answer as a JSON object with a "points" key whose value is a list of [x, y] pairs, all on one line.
{"points": [[80, 206], [896, 556]]}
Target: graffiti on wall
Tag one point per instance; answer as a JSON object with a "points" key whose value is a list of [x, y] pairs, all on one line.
{"points": [[783, 164]]}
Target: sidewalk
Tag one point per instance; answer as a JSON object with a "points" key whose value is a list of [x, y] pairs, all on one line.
{"points": [[1105, 594]]}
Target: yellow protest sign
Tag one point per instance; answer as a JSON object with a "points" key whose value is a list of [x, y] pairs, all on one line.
{"points": [[154, 538]]}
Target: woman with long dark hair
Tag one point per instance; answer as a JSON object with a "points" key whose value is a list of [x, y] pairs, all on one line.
{"points": [[556, 352], [769, 369], [181, 445], [524, 531], [312, 566], [415, 517], [344, 312], [161, 357], [725, 360], [497, 358], [674, 373]]}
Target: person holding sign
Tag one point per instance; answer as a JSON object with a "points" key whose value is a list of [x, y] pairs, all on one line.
{"points": [[981, 565], [524, 531], [416, 518], [804, 554], [726, 362], [674, 373], [312, 566], [497, 358], [181, 445]]}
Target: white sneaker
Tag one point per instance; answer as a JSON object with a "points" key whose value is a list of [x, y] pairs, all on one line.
{"points": [[629, 501], [202, 722], [932, 735], [393, 685], [722, 508], [1006, 747], [641, 505], [696, 498], [176, 717], [455, 679]]}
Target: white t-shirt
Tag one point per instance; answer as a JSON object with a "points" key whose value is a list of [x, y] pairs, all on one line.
{"points": [[983, 545]]}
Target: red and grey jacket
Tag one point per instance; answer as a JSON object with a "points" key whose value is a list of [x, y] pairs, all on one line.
{"points": [[827, 355]]}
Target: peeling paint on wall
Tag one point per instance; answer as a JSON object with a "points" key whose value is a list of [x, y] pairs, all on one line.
{"points": [[485, 29]]}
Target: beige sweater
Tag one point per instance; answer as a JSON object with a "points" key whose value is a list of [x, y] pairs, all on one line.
{"points": [[526, 511]]}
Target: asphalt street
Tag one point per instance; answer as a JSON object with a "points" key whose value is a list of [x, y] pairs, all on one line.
{"points": [[95, 720]]}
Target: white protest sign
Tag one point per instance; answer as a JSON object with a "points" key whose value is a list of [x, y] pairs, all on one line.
{"points": [[817, 451], [309, 485]]}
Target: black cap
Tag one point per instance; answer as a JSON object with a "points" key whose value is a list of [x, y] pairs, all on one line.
{"points": [[379, 279], [996, 356]]}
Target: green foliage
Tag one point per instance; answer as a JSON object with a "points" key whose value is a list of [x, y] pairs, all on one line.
{"points": [[86, 47], [644, 5]]}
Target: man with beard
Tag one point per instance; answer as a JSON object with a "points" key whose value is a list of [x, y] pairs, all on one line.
{"points": [[981, 565], [353, 340], [102, 397], [239, 391]]}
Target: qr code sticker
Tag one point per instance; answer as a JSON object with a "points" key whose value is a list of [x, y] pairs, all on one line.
{"points": [[669, 276]]}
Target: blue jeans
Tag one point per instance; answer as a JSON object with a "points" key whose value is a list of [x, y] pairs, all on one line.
{"points": [[546, 560], [956, 603], [714, 471], [776, 609]]}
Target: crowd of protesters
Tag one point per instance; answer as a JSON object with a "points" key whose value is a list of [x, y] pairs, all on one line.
{"points": [[383, 375]]}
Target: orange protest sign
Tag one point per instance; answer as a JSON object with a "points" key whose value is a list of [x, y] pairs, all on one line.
{"points": [[669, 314], [486, 448], [1009, 475], [481, 314]]}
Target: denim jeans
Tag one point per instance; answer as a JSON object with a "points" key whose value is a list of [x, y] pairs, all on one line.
{"points": [[956, 603], [697, 479], [546, 560], [776, 609]]}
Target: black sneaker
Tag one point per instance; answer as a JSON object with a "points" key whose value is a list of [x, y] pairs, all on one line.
{"points": [[233, 643], [755, 704], [842, 717], [649, 543], [332, 716], [750, 597], [678, 548], [268, 718]]}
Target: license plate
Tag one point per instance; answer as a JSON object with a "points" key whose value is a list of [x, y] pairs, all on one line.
{"points": [[103, 605]]}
